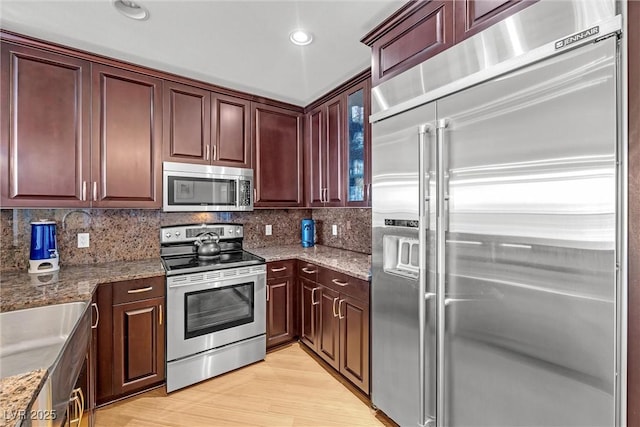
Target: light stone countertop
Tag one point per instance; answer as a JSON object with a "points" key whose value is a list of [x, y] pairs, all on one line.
{"points": [[17, 394], [355, 264], [73, 283]]}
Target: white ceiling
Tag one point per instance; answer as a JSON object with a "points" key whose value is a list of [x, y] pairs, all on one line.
{"points": [[239, 44]]}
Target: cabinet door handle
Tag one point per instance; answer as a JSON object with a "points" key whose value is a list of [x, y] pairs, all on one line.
{"points": [[306, 270], [84, 191], [326, 195], [77, 399], [340, 316], [160, 314], [339, 283], [275, 270], [206, 151], [214, 152], [140, 290], [335, 313], [313, 296], [255, 194], [94, 305], [268, 293], [95, 191]]}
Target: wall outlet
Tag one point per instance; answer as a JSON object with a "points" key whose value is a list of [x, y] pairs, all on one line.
{"points": [[83, 240], [268, 230], [334, 229]]}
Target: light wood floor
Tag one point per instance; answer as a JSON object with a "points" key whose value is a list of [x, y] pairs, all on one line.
{"points": [[290, 388]]}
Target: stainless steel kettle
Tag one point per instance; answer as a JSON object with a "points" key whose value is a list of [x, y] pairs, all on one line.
{"points": [[208, 247]]}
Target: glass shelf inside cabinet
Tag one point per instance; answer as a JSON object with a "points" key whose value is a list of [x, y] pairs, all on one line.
{"points": [[355, 109]]}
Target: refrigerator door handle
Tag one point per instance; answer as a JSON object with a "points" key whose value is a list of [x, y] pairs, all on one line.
{"points": [[423, 226], [441, 215]]}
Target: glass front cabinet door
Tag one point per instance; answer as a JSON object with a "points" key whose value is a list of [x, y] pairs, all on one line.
{"points": [[358, 146]]}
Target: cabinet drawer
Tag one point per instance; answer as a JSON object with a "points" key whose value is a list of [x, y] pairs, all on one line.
{"points": [[138, 289], [344, 284], [308, 271], [278, 269]]}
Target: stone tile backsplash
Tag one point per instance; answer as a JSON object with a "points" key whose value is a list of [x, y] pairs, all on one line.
{"points": [[354, 228], [132, 234]]}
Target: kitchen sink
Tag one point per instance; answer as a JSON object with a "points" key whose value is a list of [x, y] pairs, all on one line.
{"points": [[53, 337], [32, 338]]}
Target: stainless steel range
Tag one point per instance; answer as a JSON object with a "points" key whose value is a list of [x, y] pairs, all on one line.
{"points": [[216, 302]]}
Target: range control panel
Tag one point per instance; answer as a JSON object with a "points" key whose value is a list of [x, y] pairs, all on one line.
{"points": [[190, 232]]}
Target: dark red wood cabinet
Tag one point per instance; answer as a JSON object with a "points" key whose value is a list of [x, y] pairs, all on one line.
{"points": [[126, 147], [357, 145], [328, 326], [45, 139], [334, 320], [473, 16], [337, 150], [308, 286], [325, 135], [231, 131], [78, 134], [138, 349], [186, 123], [282, 324], [416, 32], [277, 141], [421, 29], [129, 338], [205, 127]]}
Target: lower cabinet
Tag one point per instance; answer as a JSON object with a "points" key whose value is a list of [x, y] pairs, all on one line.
{"points": [[282, 325], [129, 338], [138, 346], [335, 320]]}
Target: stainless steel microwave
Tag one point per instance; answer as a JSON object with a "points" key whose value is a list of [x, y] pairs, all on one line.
{"points": [[204, 188]]}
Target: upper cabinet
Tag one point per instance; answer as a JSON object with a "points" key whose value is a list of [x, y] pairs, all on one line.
{"points": [[421, 29], [127, 139], [50, 157], [186, 123], [325, 136], [231, 131], [473, 16], [357, 145], [205, 127], [277, 141], [338, 154], [45, 125], [416, 32]]}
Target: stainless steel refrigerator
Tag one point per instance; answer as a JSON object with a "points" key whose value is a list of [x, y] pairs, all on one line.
{"points": [[495, 247]]}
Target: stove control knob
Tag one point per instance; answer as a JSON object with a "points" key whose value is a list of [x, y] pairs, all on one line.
{"points": [[238, 230], [168, 235], [177, 234]]}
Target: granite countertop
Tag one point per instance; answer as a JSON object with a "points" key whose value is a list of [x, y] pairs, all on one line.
{"points": [[74, 283], [17, 394], [352, 263]]}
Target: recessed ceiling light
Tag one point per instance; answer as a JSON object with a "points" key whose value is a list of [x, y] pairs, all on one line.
{"points": [[131, 9], [300, 37]]}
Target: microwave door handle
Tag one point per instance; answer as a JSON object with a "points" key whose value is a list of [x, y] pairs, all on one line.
{"points": [[237, 195]]}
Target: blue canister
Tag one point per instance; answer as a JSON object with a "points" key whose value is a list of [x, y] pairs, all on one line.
{"points": [[43, 256], [308, 233]]}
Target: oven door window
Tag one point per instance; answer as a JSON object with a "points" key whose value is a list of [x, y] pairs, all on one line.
{"points": [[216, 309], [185, 191]]}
